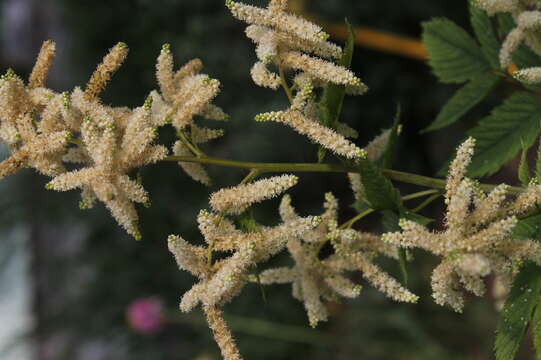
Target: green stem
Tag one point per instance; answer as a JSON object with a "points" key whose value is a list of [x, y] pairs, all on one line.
{"points": [[189, 144], [426, 202], [285, 86], [416, 195], [352, 221], [395, 175], [420, 194]]}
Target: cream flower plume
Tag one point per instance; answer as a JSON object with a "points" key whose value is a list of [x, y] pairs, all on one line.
{"points": [[477, 237], [314, 280]]}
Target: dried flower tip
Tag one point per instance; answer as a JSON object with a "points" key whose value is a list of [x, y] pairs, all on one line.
{"points": [[236, 199], [38, 77], [101, 76]]}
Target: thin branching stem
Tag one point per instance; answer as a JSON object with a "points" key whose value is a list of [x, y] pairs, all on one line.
{"points": [[395, 175], [285, 86]]}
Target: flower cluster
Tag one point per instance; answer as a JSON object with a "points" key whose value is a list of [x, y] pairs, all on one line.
{"points": [[527, 16], [477, 238], [314, 279], [104, 145], [289, 43], [222, 280], [187, 93], [39, 145]]}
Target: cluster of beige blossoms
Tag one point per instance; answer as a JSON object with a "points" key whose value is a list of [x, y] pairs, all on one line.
{"points": [[477, 238], [101, 145], [527, 16], [313, 279], [82, 143], [288, 43], [221, 280]]}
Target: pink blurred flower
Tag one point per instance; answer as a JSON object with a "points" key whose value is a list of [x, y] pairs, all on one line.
{"points": [[145, 315]]}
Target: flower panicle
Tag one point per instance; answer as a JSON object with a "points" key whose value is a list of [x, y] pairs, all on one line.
{"points": [[45, 58], [236, 199], [109, 65]]}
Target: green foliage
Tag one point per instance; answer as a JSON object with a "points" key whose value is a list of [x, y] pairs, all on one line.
{"points": [[453, 54], [536, 328], [518, 311], [332, 97], [465, 98], [456, 57], [485, 34], [524, 168], [528, 228], [379, 190], [505, 24], [499, 135]]}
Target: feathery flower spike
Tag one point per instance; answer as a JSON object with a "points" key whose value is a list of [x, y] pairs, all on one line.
{"points": [[477, 239], [237, 199]]}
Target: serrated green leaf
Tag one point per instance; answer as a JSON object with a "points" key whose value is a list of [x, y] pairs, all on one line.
{"points": [[332, 97], [528, 228], [464, 99], [498, 136], [484, 32], [524, 168], [452, 53], [379, 191], [517, 311], [390, 148]]}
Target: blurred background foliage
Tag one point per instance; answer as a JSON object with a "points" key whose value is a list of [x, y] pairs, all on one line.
{"points": [[84, 270]]}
